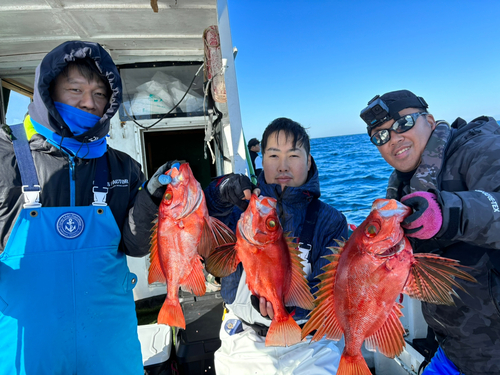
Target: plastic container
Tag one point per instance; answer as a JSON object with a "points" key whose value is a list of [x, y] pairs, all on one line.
{"points": [[156, 346], [196, 345]]}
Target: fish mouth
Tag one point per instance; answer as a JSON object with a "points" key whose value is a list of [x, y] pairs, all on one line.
{"points": [[192, 203], [263, 207], [397, 248], [388, 208], [249, 236]]}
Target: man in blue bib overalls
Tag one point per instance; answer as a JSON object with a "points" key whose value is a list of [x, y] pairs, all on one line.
{"points": [[70, 209]]}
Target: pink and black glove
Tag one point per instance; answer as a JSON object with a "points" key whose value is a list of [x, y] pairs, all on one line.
{"points": [[426, 219]]}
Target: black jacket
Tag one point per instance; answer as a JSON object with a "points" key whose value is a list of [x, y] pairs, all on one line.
{"points": [[461, 165], [292, 206], [132, 208]]}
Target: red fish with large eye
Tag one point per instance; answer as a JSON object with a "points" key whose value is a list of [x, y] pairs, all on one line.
{"points": [[272, 265], [183, 235], [357, 293]]}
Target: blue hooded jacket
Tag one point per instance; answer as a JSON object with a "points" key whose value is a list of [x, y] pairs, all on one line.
{"points": [[292, 205]]}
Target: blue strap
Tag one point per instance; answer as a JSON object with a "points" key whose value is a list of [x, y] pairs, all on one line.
{"points": [[29, 177], [100, 188], [101, 173]]}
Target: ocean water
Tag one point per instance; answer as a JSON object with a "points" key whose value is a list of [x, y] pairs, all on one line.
{"points": [[352, 174]]}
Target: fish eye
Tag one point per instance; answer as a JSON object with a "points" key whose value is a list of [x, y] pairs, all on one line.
{"points": [[168, 196], [372, 230], [271, 224]]}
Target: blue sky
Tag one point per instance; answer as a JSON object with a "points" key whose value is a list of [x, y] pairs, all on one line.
{"points": [[319, 62]]}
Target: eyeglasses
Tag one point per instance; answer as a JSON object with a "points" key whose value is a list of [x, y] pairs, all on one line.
{"points": [[402, 125]]}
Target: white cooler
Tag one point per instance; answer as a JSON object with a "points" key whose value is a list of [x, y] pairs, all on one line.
{"points": [[156, 344]]}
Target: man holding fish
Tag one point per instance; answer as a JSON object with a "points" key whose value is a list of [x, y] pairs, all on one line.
{"points": [[450, 177], [71, 208], [266, 297]]}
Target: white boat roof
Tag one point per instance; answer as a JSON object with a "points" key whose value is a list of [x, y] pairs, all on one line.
{"points": [[129, 30]]}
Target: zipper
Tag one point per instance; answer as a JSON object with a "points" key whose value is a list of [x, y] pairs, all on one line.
{"points": [[72, 183], [72, 173]]}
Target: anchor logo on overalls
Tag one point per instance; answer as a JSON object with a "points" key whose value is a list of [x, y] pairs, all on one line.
{"points": [[70, 225]]}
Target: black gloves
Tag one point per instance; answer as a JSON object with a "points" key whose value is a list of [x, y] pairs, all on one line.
{"points": [[232, 187], [157, 184]]}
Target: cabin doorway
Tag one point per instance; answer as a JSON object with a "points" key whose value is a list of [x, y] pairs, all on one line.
{"points": [[183, 145]]}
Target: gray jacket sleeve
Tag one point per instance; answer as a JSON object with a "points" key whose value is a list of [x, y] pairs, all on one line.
{"points": [[473, 216]]}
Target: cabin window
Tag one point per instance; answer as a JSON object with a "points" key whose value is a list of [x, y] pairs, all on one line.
{"points": [[152, 91], [16, 107]]}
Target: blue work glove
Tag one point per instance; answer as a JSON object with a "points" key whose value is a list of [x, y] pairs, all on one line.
{"points": [[232, 187], [426, 219], [157, 184]]}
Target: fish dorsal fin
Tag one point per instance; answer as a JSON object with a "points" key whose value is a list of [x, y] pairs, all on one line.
{"points": [[155, 271], [194, 282], [431, 279], [323, 318], [299, 293], [223, 261], [389, 338]]}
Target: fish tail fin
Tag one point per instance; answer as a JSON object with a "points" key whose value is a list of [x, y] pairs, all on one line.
{"points": [[432, 279], [353, 365], [155, 272], [299, 293], [284, 333], [171, 314]]}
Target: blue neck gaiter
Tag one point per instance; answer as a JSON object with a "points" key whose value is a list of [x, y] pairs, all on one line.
{"points": [[79, 122]]}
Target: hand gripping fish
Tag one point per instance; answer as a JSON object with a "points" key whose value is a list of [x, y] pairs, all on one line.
{"points": [[358, 290], [182, 235], [272, 264]]}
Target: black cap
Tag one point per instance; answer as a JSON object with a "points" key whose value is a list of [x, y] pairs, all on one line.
{"points": [[386, 107], [401, 99], [253, 142]]}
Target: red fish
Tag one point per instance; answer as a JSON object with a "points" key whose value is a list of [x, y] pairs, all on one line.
{"points": [[358, 290], [183, 234], [272, 264]]}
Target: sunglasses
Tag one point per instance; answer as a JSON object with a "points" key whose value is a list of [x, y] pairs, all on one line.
{"points": [[402, 125]]}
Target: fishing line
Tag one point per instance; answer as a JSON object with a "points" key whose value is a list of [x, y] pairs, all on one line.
{"points": [[356, 209]]}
